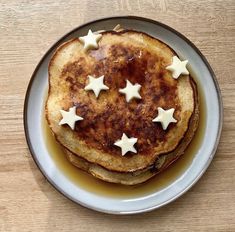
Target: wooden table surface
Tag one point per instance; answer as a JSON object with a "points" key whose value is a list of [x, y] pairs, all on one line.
{"points": [[27, 201]]}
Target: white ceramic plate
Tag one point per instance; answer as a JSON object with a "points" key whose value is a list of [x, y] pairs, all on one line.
{"points": [[204, 75]]}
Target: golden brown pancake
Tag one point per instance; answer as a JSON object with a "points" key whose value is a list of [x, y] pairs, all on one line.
{"points": [[139, 176], [121, 56]]}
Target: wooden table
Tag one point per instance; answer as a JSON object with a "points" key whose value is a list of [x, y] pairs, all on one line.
{"points": [[27, 201]]}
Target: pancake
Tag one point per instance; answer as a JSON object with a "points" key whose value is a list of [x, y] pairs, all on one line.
{"points": [[125, 55], [139, 176]]}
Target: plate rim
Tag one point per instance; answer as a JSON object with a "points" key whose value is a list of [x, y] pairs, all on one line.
{"points": [[148, 20]]}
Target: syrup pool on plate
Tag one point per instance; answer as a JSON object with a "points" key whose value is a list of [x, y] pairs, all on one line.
{"points": [[99, 187]]}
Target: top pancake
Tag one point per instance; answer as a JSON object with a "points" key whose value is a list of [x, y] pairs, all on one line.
{"points": [[121, 56]]}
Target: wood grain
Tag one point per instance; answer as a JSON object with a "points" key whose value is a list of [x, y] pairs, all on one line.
{"points": [[27, 200]]}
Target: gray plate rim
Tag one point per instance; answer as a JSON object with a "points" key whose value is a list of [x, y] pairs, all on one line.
{"points": [[25, 119]]}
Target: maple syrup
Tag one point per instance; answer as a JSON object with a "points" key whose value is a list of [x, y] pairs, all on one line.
{"points": [[156, 183]]}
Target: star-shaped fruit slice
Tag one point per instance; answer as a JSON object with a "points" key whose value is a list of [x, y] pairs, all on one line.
{"points": [[165, 117], [131, 91], [126, 144], [178, 67], [70, 117], [96, 85], [91, 40]]}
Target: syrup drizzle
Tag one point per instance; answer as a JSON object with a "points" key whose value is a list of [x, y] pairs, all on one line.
{"points": [[102, 188]]}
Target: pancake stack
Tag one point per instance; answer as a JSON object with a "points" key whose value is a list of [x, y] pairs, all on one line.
{"points": [[122, 105]]}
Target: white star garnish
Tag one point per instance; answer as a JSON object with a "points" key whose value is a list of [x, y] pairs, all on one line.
{"points": [[96, 85], [131, 91], [178, 67], [126, 144], [165, 117], [70, 117], [90, 40]]}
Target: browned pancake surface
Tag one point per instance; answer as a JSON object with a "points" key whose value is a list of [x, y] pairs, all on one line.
{"points": [[107, 117], [120, 57]]}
